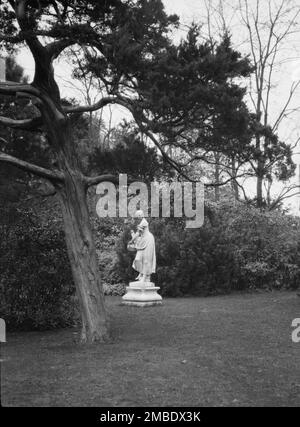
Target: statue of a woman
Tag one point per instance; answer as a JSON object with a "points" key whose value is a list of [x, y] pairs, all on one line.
{"points": [[144, 243]]}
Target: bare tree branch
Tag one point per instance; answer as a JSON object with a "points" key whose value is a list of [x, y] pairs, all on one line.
{"points": [[4, 141], [13, 89], [101, 178], [97, 106], [284, 109], [54, 49], [25, 124], [54, 176], [280, 200]]}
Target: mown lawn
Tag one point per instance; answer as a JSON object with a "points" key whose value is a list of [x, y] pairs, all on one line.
{"points": [[219, 351]]}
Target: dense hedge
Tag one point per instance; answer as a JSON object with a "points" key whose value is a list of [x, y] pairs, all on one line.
{"points": [[238, 248], [36, 287]]}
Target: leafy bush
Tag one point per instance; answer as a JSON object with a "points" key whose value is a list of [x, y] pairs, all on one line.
{"points": [[106, 234], [36, 287], [238, 248], [107, 266], [116, 289], [266, 246]]}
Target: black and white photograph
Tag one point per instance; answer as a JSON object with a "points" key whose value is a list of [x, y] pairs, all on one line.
{"points": [[150, 207]]}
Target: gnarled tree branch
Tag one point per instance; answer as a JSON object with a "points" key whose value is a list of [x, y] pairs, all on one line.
{"points": [[33, 124], [88, 108], [54, 49], [36, 47], [20, 89], [12, 89], [101, 178], [53, 176]]}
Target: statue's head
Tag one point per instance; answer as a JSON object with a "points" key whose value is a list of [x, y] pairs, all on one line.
{"points": [[139, 214]]}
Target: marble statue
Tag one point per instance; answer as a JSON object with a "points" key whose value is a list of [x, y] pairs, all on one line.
{"points": [[142, 292], [143, 241]]}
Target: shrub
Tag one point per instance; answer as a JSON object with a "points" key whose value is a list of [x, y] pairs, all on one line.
{"points": [[36, 287], [107, 266], [116, 289], [238, 248], [266, 245]]}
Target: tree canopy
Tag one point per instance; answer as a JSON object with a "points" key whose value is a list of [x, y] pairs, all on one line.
{"points": [[169, 89]]}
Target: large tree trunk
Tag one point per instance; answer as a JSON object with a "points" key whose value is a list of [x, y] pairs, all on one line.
{"points": [[83, 259], [65, 176]]}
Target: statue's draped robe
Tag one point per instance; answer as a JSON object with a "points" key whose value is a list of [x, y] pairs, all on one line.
{"points": [[145, 259]]}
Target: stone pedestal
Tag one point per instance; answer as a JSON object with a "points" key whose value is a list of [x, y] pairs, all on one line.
{"points": [[141, 294]]}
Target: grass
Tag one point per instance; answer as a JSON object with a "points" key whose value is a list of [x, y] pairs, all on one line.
{"points": [[219, 351]]}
